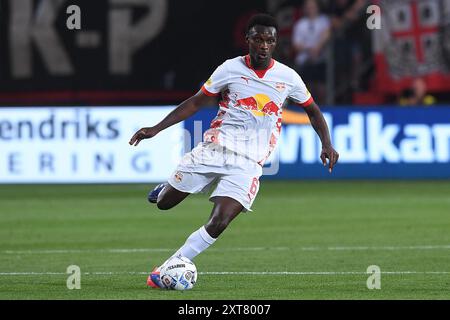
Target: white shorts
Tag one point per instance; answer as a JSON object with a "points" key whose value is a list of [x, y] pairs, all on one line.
{"points": [[237, 179]]}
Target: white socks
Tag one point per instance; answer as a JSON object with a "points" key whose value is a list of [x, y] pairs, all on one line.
{"points": [[197, 242]]}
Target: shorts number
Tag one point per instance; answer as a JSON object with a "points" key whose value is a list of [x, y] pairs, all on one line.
{"points": [[253, 188]]}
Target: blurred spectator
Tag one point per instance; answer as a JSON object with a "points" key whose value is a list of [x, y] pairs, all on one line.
{"points": [[416, 95], [351, 44], [309, 37]]}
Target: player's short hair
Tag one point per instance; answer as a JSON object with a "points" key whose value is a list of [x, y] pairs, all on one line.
{"points": [[262, 19]]}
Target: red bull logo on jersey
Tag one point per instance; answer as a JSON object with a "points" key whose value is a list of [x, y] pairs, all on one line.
{"points": [[271, 108], [260, 105]]}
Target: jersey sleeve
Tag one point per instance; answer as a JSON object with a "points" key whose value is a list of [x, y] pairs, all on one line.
{"points": [[299, 93], [218, 81]]}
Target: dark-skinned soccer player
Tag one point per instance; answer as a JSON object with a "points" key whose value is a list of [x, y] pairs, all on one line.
{"points": [[250, 91]]}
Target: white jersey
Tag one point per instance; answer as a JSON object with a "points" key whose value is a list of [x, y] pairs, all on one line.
{"points": [[249, 118]]}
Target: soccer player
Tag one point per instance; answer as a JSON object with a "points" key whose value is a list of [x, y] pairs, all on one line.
{"points": [[251, 90]]}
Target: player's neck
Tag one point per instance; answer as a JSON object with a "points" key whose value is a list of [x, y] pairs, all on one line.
{"points": [[259, 66]]}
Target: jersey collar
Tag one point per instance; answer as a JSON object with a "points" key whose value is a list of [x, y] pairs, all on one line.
{"points": [[260, 73]]}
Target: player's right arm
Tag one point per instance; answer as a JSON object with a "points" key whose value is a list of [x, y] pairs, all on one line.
{"points": [[206, 96], [186, 109]]}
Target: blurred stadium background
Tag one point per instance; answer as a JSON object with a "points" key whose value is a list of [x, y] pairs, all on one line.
{"points": [[72, 191]]}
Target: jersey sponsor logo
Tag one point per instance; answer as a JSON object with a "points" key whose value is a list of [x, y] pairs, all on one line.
{"points": [[271, 108], [260, 105]]}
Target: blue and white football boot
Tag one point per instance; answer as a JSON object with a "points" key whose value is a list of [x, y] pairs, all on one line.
{"points": [[153, 195]]}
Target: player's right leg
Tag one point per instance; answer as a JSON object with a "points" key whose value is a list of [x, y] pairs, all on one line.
{"points": [[185, 180], [165, 196], [178, 187]]}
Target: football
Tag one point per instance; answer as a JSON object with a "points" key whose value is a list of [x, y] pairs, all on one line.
{"points": [[179, 273]]}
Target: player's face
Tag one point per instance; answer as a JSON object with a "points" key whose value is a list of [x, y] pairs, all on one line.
{"points": [[261, 44]]}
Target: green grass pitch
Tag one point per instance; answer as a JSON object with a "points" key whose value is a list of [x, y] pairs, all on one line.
{"points": [[304, 240]]}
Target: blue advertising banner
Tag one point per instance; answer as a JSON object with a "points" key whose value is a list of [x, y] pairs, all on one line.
{"points": [[385, 143], [90, 145]]}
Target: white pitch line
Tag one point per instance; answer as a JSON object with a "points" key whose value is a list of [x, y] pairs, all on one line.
{"points": [[137, 250], [423, 247], [132, 250], [274, 273], [315, 272]]}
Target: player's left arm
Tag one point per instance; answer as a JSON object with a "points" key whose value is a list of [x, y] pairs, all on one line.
{"points": [[320, 126]]}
